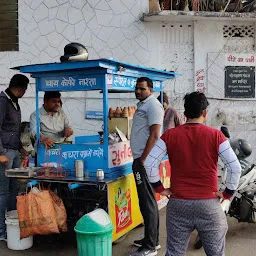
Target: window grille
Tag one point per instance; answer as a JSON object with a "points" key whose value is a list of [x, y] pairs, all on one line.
{"points": [[9, 25], [238, 31]]}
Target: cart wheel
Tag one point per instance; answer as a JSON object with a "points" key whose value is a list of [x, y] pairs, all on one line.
{"points": [[120, 239], [198, 243]]}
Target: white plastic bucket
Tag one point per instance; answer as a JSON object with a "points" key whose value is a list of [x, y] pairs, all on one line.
{"points": [[13, 233]]}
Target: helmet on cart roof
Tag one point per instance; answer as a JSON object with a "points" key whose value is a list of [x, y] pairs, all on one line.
{"points": [[241, 148], [74, 52]]}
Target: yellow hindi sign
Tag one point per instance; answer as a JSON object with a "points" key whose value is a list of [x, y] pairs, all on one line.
{"points": [[123, 205]]}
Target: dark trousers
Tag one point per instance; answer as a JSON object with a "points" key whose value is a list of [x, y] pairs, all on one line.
{"points": [[148, 205], [9, 187]]}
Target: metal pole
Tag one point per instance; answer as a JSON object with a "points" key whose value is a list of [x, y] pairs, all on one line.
{"points": [[105, 119], [37, 114]]}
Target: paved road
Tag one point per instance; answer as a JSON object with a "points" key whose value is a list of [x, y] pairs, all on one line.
{"points": [[241, 240]]}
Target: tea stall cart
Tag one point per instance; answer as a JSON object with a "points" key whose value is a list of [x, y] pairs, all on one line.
{"points": [[117, 192]]}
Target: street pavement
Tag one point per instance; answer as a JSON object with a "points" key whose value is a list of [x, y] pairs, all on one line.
{"points": [[241, 240]]}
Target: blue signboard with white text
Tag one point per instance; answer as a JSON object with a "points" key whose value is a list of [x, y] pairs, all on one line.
{"points": [[71, 83], [119, 82], [93, 114], [64, 155], [90, 82]]}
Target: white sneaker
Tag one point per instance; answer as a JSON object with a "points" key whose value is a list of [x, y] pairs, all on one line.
{"points": [[144, 252]]}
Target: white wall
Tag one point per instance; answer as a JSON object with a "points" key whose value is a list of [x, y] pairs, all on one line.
{"points": [[185, 48], [172, 48], [108, 29], [112, 29], [239, 114]]}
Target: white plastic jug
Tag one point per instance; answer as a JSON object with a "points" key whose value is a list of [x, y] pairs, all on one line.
{"points": [[13, 233]]}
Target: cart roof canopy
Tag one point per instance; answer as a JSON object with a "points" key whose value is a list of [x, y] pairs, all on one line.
{"points": [[97, 74]]}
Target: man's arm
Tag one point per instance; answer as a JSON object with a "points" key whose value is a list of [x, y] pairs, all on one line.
{"points": [[233, 166], [177, 119], [68, 131], [155, 118], [152, 164], [48, 142], [32, 125], [3, 158], [155, 131], [67, 123], [2, 115], [171, 118]]}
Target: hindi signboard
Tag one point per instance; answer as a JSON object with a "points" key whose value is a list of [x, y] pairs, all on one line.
{"points": [[127, 83], [71, 83], [239, 82], [94, 114]]}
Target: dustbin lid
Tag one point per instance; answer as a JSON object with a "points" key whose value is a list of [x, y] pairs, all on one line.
{"points": [[97, 221]]}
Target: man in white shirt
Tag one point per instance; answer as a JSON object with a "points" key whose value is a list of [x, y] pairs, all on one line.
{"points": [[146, 129], [54, 124]]}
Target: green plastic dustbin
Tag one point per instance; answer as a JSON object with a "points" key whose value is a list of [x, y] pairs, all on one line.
{"points": [[94, 234]]}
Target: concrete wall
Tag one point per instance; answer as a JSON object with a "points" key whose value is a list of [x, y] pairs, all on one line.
{"points": [[108, 28], [238, 114], [172, 48], [112, 29], [197, 50]]}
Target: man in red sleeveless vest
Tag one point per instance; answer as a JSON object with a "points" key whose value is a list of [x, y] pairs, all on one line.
{"points": [[193, 150]]}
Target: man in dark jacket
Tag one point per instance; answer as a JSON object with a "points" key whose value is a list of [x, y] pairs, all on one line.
{"points": [[10, 144]]}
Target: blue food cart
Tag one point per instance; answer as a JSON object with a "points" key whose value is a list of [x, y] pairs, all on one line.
{"points": [[117, 192]]}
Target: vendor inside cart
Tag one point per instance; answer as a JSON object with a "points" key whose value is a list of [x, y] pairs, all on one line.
{"points": [[54, 124]]}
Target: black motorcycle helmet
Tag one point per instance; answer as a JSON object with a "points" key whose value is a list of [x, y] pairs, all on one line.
{"points": [[74, 52], [225, 131], [241, 148]]}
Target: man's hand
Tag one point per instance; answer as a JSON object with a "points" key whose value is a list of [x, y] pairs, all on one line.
{"points": [[223, 196], [4, 159], [48, 142], [24, 156], [68, 132], [25, 162], [167, 192], [23, 152], [219, 195], [155, 131]]}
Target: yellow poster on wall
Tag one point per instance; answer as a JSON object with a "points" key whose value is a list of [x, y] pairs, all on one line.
{"points": [[123, 205]]}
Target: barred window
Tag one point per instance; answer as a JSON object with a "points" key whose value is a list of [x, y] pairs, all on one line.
{"points": [[9, 25]]}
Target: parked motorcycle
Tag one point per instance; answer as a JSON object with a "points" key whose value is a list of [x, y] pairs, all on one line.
{"points": [[242, 205]]}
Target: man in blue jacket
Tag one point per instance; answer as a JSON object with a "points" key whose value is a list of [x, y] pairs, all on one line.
{"points": [[10, 144]]}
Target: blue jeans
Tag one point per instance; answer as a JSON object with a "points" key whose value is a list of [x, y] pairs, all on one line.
{"points": [[9, 187]]}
